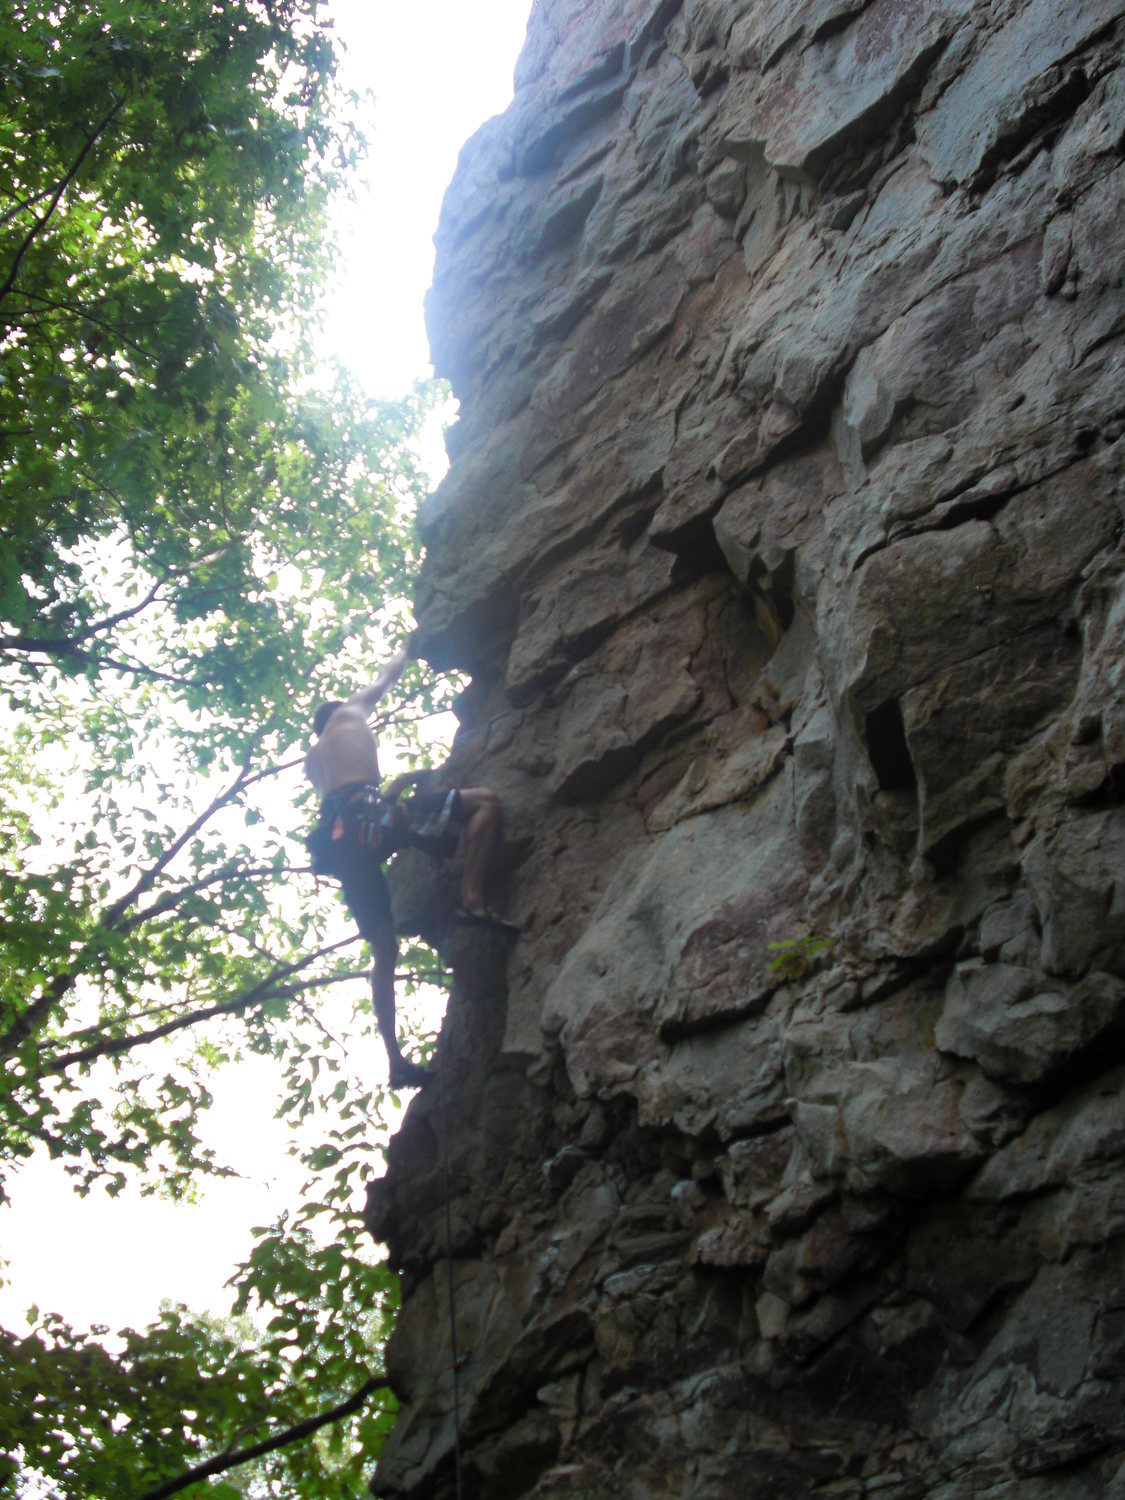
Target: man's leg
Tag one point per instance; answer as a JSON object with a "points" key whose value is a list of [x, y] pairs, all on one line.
{"points": [[369, 901], [480, 808], [384, 949]]}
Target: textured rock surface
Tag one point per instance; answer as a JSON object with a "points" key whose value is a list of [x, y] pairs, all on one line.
{"points": [[783, 540]]}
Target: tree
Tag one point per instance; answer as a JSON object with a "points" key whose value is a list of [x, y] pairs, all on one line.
{"points": [[201, 533]]}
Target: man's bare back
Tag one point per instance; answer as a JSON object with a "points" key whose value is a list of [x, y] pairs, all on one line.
{"points": [[346, 753]]}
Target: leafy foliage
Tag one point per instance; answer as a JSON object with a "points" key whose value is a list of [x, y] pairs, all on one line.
{"points": [[117, 1423], [201, 534], [796, 956], [168, 166]]}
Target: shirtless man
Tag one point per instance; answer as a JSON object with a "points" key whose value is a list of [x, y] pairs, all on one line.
{"points": [[358, 831]]}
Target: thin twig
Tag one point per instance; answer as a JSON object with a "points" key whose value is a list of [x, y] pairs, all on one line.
{"points": [[17, 208], [266, 989], [344, 976], [111, 920], [64, 647], [58, 305], [146, 881], [42, 222], [228, 874], [286, 765]]}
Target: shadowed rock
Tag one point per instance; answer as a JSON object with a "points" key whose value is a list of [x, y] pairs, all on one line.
{"points": [[783, 538]]}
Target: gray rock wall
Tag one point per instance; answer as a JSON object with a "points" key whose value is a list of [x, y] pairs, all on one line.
{"points": [[783, 541]]}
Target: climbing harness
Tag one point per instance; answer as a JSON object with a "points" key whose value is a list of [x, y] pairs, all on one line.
{"points": [[455, 1361], [376, 818], [360, 816]]}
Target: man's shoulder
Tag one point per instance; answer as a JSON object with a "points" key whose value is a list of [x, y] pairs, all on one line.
{"points": [[348, 714]]}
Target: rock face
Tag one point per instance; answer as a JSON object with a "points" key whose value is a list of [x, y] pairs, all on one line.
{"points": [[783, 542]]}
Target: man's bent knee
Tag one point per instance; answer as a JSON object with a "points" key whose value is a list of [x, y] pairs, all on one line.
{"points": [[479, 798]]}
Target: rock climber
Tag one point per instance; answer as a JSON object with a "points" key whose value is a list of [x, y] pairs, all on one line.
{"points": [[360, 827]]}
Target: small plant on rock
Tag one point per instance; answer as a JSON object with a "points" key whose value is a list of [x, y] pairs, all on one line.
{"points": [[796, 956]]}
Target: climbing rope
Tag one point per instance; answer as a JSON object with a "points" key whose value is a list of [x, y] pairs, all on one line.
{"points": [[456, 1362]]}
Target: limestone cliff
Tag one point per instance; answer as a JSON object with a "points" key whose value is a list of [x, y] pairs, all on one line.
{"points": [[783, 542]]}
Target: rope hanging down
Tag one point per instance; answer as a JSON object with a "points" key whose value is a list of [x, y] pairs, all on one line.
{"points": [[455, 1365]]}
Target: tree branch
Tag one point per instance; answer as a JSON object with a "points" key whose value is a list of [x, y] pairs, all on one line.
{"points": [[266, 989], [291, 1435], [43, 220], [111, 920], [286, 765], [157, 1010], [22, 1027], [23, 203], [64, 646], [68, 645], [146, 881], [54, 304], [228, 873]]}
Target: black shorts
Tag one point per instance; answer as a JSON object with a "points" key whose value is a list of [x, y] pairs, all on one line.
{"points": [[429, 821], [357, 833]]}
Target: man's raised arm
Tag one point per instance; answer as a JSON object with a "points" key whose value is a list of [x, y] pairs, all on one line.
{"points": [[367, 697]]}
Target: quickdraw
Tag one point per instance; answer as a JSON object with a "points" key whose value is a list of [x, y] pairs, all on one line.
{"points": [[376, 819]]}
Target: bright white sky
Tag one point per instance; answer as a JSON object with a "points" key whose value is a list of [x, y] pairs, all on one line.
{"points": [[439, 69]]}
